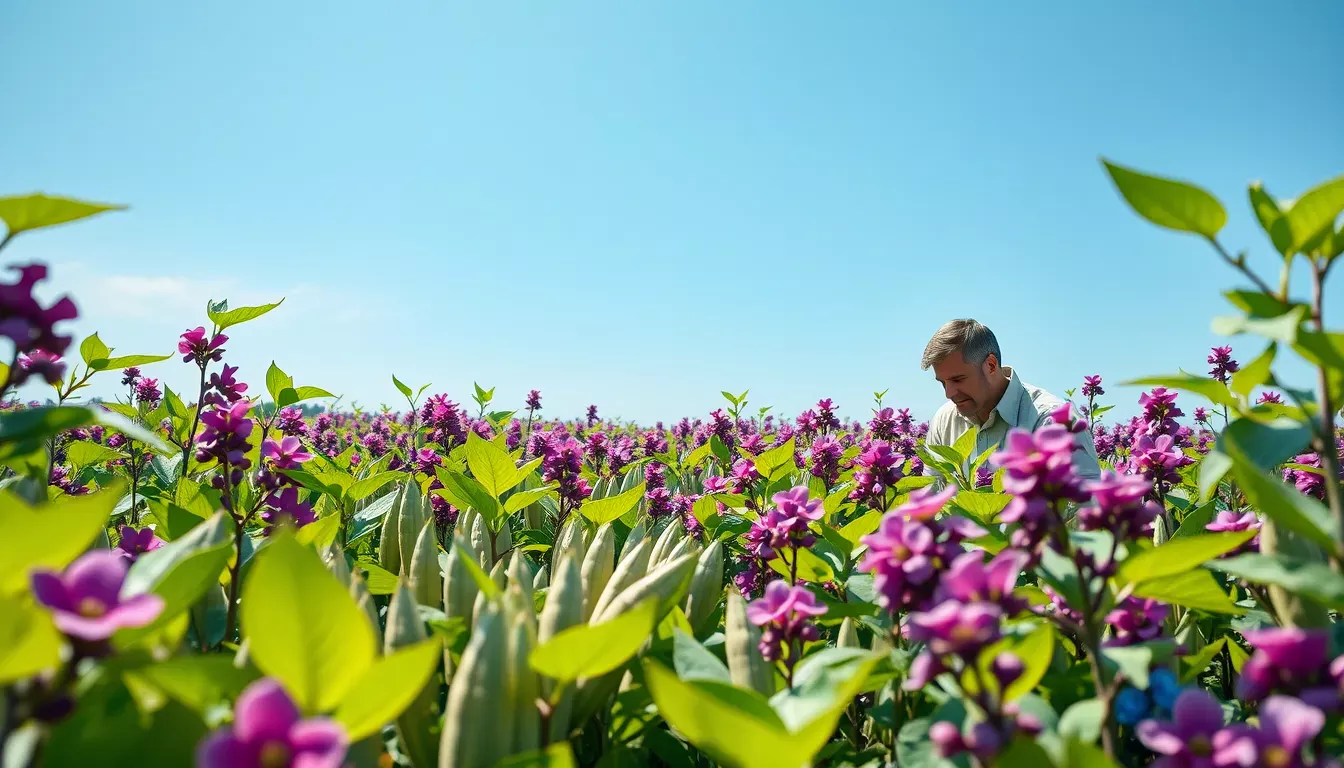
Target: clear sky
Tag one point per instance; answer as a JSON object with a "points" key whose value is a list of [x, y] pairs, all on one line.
{"points": [[639, 204]]}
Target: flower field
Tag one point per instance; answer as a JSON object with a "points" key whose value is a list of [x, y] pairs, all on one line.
{"points": [[240, 576]]}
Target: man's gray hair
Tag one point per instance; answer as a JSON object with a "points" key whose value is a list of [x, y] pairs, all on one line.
{"points": [[975, 341]]}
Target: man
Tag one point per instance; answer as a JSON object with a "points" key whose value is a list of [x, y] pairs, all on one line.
{"points": [[986, 395]]}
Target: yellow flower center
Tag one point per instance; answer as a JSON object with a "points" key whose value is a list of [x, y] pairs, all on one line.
{"points": [[1199, 746], [275, 754], [1276, 757], [900, 553], [962, 633], [91, 608]]}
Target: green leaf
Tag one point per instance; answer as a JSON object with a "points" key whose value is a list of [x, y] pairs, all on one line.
{"points": [[491, 465], [483, 581], [302, 627], [1309, 215], [180, 572], [465, 492], [1295, 511], [771, 459], [289, 395], [240, 315], [277, 381], [1311, 579], [811, 567], [1212, 469], [1179, 555], [50, 535], [1196, 520], [720, 451], [92, 349], [1169, 203], [387, 688], [402, 388], [1265, 444], [200, 682], [1200, 662], [29, 640], [1136, 660], [380, 581], [693, 661], [129, 361], [965, 444], [1034, 650], [1214, 390], [526, 498], [1193, 589], [591, 650], [981, 505], [86, 454], [1083, 720], [602, 511], [733, 726], [1267, 211], [1254, 373], [696, 456], [26, 212], [362, 489], [321, 533], [1284, 327], [859, 527], [558, 755]]}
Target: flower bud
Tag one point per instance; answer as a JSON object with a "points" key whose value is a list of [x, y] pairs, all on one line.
{"points": [[1007, 668], [946, 738]]}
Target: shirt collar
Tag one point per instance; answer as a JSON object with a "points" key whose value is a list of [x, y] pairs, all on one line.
{"points": [[1010, 404]]}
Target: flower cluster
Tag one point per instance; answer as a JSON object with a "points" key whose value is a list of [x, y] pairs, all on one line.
{"points": [[877, 470], [133, 543], [1119, 505], [86, 601], [785, 614], [195, 347], [1222, 364], [1293, 662], [224, 440], [786, 525], [24, 321], [909, 548], [269, 731], [1196, 735], [1041, 476]]}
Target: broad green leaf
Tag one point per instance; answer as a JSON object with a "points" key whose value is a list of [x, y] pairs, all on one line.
{"points": [[320, 533], [1169, 203], [696, 456], [1291, 509], [29, 640], [465, 492], [240, 315], [199, 682], [492, 467], [387, 687], [980, 505], [1135, 661], [965, 444], [180, 572], [859, 527], [1196, 520], [602, 511], [591, 650], [1254, 373], [733, 726], [50, 535], [693, 661], [1310, 214], [1082, 720], [1177, 556], [811, 567], [289, 395], [26, 212], [1214, 390], [1034, 650], [1267, 211], [402, 388], [720, 451], [824, 685], [1285, 327], [1192, 589], [1266, 444], [1212, 469], [84, 453], [771, 459], [92, 349], [558, 755], [378, 580], [525, 498], [362, 489], [277, 381], [302, 626], [1311, 579], [1200, 662], [129, 361]]}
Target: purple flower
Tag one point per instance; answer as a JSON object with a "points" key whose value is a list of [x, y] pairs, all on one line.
{"points": [[46, 366], [1187, 740], [970, 579], [85, 600], [826, 453], [193, 346], [134, 543], [286, 454], [1158, 459], [1040, 464], [785, 613], [24, 320], [534, 400], [224, 439], [877, 469], [1092, 387], [794, 503], [1223, 364], [1271, 398], [129, 375], [226, 389], [284, 505], [1289, 661], [1119, 505], [907, 551], [1227, 520], [290, 421], [957, 628], [924, 504], [1286, 726], [883, 425], [268, 732], [1136, 620]]}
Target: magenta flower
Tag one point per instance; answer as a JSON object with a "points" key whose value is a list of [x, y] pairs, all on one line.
{"points": [[286, 454], [1223, 364], [1270, 398], [24, 320], [785, 615], [225, 388], [957, 628], [877, 469], [134, 543], [1040, 463], [1289, 661], [85, 600], [1158, 459], [534, 400], [1092, 387], [1286, 726], [1119, 505], [924, 504], [1136, 620], [970, 579], [147, 391], [268, 732], [1188, 740], [46, 366], [193, 346], [794, 503], [284, 505], [1227, 520]]}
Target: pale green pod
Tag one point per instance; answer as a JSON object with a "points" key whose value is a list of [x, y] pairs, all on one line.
{"points": [[465, 519], [637, 534], [389, 542], [627, 572], [364, 599], [667, 582], [541, 580], [706, 586], [881, 643], [425, 578], [504, 538], [476, 719], [405, 628], [848, 636], [688, 545], [518, 605], [598, 567], [410, 519], [742, 639], [497, 575], [524, 688], [563, 609], [459, 597], [671, 536], [570, 542], [335, 560], [520, 573], [480, 542]]}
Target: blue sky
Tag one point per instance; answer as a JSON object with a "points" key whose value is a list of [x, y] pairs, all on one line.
{"points": [[638, 205]]}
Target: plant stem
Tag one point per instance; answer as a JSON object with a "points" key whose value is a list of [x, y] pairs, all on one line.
{"points": [[1326, 447], [195, 422]]}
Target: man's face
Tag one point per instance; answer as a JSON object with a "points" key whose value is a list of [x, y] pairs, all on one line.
{"points": [[966, 385]]}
